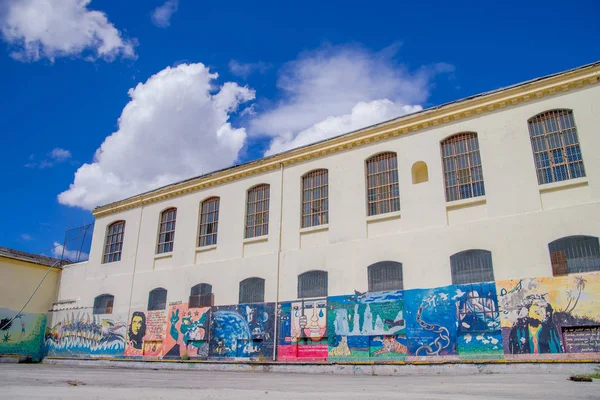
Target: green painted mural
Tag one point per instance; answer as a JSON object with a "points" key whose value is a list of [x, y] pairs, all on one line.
{"points": [[22, 334]]}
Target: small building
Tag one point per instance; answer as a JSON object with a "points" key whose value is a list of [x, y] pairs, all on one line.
{"points": [[22, 329], [464, 231]]}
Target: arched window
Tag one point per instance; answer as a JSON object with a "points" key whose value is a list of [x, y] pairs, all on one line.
{"points": [[252, 290], [312, 284], [385, 275], [463, 175], [555, 146], [575, 254], [257, 211], [113, 245], [315, 198], [209, 222], [157, 299], [166, 232], [201, 296], [419, 172], [472, 266], [383, 193], [103, 304]]}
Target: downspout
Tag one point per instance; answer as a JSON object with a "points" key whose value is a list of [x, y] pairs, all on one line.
{"points": [[278, 261], [137, 245]]}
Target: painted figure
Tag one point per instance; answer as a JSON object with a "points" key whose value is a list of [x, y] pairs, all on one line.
{"points": [[342, 349], [535, 332], [137, 330], [390, 345]]}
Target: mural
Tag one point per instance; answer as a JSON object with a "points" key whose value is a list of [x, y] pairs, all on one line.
{"points": [[244, 330], [83, 334], [535, 312], [303, 330], [146, 333], [367, 325], [187, 331], [22, 334], [431, 320]]}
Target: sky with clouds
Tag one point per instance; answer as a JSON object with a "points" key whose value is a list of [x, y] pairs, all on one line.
{"points": [[104, 99]]}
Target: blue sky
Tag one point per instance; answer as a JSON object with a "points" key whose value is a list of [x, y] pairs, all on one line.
{"points": [[287, 75]]}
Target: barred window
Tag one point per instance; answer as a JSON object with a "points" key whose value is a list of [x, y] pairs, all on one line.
{"points": [[555, 146], [103, 304], [113, 245], [472, 266], [383, 192], [385, 275], [575, 254], [312, 284], [209, 222], [257, 211], [463, 174], [157, 299], [201, 296], [315, 198], [166, 233], [252, 290]]}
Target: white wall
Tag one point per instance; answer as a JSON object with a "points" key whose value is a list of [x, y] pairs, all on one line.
{"points": [[516, 222]]}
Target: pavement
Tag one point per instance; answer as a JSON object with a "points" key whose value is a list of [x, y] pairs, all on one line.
{"points": [[43, 381]]}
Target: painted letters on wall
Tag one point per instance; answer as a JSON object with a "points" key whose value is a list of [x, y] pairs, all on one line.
{"points": [[22, 334], [534, 312], [146, 333]]}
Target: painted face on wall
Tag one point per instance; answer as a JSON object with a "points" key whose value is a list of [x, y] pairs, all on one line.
{"points": [[538, 311], [136, 324]]}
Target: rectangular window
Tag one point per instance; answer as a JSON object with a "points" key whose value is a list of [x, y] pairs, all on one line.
{"points": [[463, 174], [257, 211], [114, 242], [209, 222], [166, 233], [315, 198], [383, 192]]}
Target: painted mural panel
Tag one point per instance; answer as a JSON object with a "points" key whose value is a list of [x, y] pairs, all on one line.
{"points": [[367, 325], [431, 321], [534, 311], [187, 332], [243, 330], [146, 333], [303, 330], [22, 334], [81, 334]]}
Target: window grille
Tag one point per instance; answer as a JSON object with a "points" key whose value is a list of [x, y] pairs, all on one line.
{"points": [[114, 242], [312, 284], [252, 290], [201, 296], [315, 198], [103, 304], [157, 299], [575, 254], [257, 211], [209, 222], [472, 266], [383, 192], [555, 146], [166, 233], [463, 174], [385, 275]]}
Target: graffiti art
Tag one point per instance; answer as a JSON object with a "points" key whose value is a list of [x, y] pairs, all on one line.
{"points": [[22, 333]]}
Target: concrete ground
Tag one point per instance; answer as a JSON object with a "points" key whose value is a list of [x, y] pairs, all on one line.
{"points": [[42, 381]]}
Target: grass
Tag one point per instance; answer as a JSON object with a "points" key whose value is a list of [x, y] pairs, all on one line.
{"points": [[588, 377]]}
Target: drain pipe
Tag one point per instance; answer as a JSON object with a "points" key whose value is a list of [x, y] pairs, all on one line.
{"points": [[137, 245], [276, 313]]}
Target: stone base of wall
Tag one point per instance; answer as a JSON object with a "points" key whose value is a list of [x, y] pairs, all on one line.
{"points": [[388, 369]]}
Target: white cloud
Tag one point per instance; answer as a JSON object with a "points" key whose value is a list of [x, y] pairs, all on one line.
{"points": [[58, 154], [60, 28], [336, 89], [27, 237], [362, 114], [73, 255], [244, 70], [161, 16], [174, 127]]}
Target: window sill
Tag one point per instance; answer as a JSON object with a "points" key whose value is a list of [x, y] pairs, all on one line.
{"points": [[383, 217], [311, 229], [163, 255], [473, 201], [256, 239], [548, 187], [206, 248]]}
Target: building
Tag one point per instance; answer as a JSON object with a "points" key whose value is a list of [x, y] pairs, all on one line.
{"points": [[22, 331], [468, 230]]}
